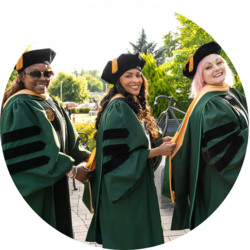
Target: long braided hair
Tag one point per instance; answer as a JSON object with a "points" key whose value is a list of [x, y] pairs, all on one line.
{"points": [[138, 105]]}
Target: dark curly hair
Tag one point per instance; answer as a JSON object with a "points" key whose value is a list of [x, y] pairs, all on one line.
{"points": [[138, 104]]}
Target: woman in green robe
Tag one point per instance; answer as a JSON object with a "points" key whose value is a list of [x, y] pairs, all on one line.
{"points": [[126, 210], [39, 143], [211, 142]]}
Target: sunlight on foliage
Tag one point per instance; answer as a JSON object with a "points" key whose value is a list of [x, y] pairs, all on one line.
{"points": [[87, 127]]}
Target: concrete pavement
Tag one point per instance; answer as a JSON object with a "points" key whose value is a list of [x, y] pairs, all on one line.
{"points": [[81, 217]]}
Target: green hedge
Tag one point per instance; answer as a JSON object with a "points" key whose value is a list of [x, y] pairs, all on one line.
{"points": [[80, 110], [73, 110], [84, 110]]}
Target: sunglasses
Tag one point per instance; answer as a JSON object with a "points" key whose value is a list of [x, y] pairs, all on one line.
{"points": [[37, 74]]}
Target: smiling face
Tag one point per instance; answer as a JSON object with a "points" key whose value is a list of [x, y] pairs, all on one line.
{"points": [[40, 85], [131, 81], [214, 71]]}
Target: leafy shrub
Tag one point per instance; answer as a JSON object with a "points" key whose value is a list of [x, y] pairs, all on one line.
{"points": [[73, 110], [84, 110], [87, 127], [81, 110]]}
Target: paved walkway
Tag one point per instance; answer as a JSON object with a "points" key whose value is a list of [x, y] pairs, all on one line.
{"points": [[81, 217]]}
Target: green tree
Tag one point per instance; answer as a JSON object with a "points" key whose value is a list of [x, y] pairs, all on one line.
{"points": [[73, 88], [158, 84], [142, 46], [94, 84], [14, 72], [94, 73], [171, 43]]}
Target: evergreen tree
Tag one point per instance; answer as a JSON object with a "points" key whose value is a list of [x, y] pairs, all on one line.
{"points": [[171, 43], [158, 84], [143, 47]]}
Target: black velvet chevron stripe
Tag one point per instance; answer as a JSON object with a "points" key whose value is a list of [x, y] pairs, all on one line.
{"points": [[229, 155], [219, 147], [28, 164], [20, 134], [115, 149], [217, 132], [23, 150], [203, 142], [115, 162], [61, 200], [115, 133]]}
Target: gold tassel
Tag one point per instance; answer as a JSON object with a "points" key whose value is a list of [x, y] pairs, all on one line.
{"points": [[191, 63], [92, 163], [114, 66], [91, 204], [19, 64]]}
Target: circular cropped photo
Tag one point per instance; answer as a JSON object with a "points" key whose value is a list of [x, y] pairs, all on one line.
{"points": [[128, 146]]}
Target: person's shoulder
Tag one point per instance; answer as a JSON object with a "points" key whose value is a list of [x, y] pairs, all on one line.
{"points": [[21, 101], [218, 98], [214, 102], [206, 101], [217, 106], [119, 105], [20, 97], [215, 98], [118, 111]]}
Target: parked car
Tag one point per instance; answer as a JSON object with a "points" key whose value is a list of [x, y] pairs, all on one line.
{"points": [[84, 105], [91, 105], [71, 104]]}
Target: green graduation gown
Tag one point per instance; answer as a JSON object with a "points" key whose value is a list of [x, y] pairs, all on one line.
{"points": [[38, 154], [126, 210], [208, 163]]}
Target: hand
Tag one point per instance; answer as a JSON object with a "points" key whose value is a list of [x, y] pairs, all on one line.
{"points": [[166, 148], [83, 174], [167, 139]]}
